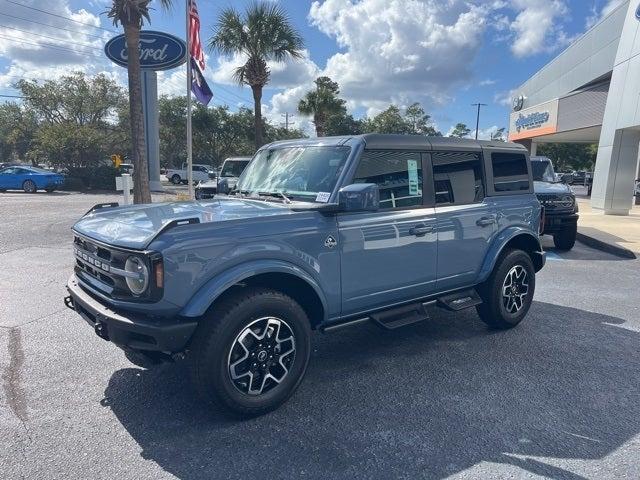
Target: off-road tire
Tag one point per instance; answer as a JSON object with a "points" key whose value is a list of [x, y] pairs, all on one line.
{"points": [[493, 310], [29, 186], [216, 335], [175, 179], [565, 239]]}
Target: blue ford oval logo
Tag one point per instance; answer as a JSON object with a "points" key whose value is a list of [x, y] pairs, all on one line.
{"points": [[638, 12], [158, 50]]}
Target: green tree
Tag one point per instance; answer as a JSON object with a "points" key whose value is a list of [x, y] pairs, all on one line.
{"points": [[390, 120], [570, 156], [498, 135], [460, 131], [323, 103], [75, 119], [131, 14], [263, 33], [419, 121], [18, 128], [343, 124]]}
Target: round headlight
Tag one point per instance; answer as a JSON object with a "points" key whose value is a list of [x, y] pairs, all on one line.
{"points": [[138, 284]]}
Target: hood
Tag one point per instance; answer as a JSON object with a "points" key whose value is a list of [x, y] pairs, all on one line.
{"points": [[547, 187], [136, 226]]}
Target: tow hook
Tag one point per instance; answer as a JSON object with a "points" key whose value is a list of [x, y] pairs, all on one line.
{"points": [[68, 302], [101, 330]]}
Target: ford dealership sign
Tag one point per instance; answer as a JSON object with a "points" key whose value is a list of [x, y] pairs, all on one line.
{"points": [[638, 12], [158, 50]]}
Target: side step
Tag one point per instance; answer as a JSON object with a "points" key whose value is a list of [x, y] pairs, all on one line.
{"points": [[400, 316], [460, 300]]}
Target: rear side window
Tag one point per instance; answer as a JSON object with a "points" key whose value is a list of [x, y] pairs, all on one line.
{"points": [[397, 174], [457, 178], [510, 173]]}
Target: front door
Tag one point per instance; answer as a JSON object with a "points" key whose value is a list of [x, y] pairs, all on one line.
{"points": [[466, 223], [389, 256]]}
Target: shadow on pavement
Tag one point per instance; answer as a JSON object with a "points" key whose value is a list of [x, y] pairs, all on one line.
{"points": [[429, 400]]}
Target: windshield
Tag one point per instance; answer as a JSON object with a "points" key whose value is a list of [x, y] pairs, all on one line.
{"points": [[296, 171], [233, 168], [543, 171]]}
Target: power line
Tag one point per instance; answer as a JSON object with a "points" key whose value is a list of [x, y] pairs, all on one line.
{"points": [[59, 16], [52, 38], [231, 93], [12, 96], [50, 26], [49, 45]]}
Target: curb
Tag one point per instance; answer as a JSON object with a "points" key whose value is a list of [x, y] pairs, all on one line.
{"points": [[616, 250]]}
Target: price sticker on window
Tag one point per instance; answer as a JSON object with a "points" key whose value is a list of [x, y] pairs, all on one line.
{"points": [[414, 184], [323, 197]]}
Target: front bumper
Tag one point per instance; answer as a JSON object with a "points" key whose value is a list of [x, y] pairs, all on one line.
{"points": [[555, 223], [129, 330]]}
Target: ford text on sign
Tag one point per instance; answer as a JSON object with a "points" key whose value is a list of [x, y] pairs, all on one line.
{"points": [[158, 50]]}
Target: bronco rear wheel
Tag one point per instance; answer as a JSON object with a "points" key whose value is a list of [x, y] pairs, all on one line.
{"points": [[508, 293], [251, 354]]}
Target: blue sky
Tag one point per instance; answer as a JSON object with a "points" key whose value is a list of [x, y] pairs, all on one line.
{"points": [[446, 54]]}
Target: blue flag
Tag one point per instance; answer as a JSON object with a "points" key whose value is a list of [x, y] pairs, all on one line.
{"points": [[199, 85]]}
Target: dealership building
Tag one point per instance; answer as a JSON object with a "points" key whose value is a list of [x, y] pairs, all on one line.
{"points": [[591, 93]]}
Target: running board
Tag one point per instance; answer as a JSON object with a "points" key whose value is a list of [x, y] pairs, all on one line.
{"points": [[400, 316], [460, 300]]}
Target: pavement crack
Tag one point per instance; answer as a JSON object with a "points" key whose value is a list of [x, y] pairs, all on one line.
{"points": [[12, 379]]}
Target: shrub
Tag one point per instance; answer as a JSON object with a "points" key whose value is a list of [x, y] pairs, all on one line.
{"points": [[91, 178]]}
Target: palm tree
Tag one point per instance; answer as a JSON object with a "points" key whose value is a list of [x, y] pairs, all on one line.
{"points": [[262, 33], [322, 103], [131, 14]]}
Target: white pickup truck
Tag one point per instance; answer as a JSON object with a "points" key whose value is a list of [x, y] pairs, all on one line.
{"points": [[200, 173]]}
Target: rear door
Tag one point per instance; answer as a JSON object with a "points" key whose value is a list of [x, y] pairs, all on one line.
{"points": [[389, 256], [466, 222]]}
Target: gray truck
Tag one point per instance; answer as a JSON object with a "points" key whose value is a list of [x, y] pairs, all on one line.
{"points": [[559, 203], [319, 234]]}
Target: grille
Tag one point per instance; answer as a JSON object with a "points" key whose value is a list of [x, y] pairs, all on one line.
{"points": [[557, 203]]}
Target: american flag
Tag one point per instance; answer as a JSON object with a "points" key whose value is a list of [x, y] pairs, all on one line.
{"points": [[195, 46]]}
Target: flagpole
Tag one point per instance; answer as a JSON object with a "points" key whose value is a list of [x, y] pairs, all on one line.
{"points": [[189, 139]]}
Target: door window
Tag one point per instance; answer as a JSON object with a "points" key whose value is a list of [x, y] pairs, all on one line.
{"points": [[510, 173], [397, 174], [457, 178]]}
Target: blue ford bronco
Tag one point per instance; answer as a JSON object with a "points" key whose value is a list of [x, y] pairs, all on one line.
{"points": [[318, 234]]}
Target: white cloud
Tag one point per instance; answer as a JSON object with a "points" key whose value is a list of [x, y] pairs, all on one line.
{"points": [[597, 15], [400, 51], [537, 27], [286, 74]]}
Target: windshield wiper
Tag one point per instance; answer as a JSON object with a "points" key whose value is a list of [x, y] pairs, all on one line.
{"points": [[281, 195]]}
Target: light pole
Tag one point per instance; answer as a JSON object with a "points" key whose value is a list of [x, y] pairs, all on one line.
{"points": [[478, 116]]}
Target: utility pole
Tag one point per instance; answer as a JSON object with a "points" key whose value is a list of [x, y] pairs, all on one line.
{"points": [[478, 116], [286, 123]]}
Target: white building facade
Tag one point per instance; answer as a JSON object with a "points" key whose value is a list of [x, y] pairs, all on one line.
{"points": [[591, 93]]}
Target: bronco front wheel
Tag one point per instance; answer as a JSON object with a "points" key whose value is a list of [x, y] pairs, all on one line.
{"points": [[252, 352]]}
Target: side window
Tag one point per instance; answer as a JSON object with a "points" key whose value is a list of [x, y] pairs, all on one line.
{"points": [[457, 178], [397, 174], [510, 172]]}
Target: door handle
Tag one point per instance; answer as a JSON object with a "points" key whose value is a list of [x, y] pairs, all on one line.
{"points": [[486, 221], [420, 230]]}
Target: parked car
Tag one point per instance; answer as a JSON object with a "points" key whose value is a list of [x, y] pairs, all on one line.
{"points": [[232, 168], [319, 234], [29, 179], [178, 176], [559, 202]]}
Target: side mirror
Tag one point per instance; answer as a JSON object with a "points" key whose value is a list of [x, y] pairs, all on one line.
{"points": [[223, 187], [359, 197]]}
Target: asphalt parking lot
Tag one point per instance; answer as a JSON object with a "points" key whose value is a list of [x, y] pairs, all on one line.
{"points": [[557, 397]]}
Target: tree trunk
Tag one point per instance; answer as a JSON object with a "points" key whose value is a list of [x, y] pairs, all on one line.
{"points": [[319, 121], [257, 113], [141, 192]]}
